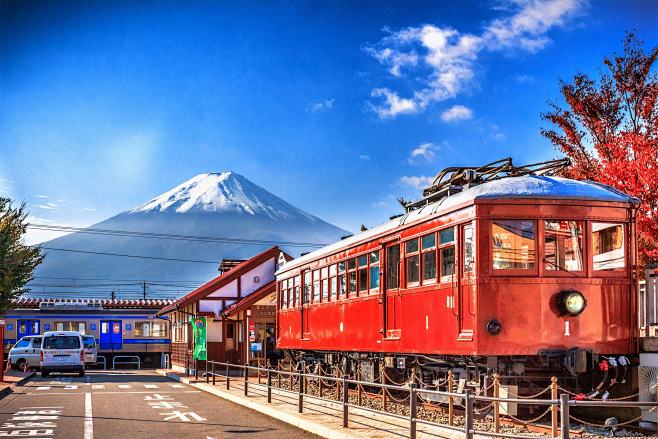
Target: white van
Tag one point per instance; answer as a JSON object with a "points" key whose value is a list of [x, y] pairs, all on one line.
{"points": [[26, 353], [62, 351]]}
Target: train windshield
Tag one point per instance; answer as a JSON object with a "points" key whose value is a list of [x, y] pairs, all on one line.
{"points": [[608, 246], [563, 245]]}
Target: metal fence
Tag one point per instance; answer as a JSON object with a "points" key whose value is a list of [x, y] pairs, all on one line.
{"points": [[299, 381]]}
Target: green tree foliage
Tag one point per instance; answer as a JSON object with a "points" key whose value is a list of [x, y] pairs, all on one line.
{"points": [[17, 260]]}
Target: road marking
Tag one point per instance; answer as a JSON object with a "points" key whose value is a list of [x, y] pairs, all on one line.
{"points": [[125, 386], [177, 386], [43, 388], [150, 386], [70, 387], [183, 416], [89, 420], [102, 393], [98, 386]]}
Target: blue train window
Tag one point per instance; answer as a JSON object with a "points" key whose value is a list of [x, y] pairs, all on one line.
{"points": [[46, 327], [128, 326], [92, 326]]}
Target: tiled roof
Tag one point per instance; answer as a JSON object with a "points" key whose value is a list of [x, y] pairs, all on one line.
{"points": [[32, 302]]}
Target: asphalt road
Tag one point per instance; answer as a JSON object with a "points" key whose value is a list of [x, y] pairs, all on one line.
{"points": [[130, 404]]}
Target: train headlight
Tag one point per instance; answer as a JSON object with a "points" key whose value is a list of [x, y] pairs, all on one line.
{"points": [[571, 302], [494, 327]]}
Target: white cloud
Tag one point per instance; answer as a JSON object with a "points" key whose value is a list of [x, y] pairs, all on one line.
{"points": [[423, 151], [456, 113], [364, 157], [524, 79], [326, 104], [379, 204], [42, 196], [496, 133], [418, 182], [444, 59], [47, 206]]}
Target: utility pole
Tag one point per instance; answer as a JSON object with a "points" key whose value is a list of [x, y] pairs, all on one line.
{"points": [[114, 295], [144, 290]]}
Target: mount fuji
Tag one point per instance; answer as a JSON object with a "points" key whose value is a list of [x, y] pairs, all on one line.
{"points": [[215, 205]]}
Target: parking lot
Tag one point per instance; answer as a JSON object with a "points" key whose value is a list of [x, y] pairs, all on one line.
{"points": [[141, 404]]}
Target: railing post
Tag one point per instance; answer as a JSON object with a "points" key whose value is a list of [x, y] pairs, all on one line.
{"points": [[228, 380], [496, 404], [278, 375], [196, 370], [213, 373], [564, 416], [451, 400], [246, 381], [412, 410], [207, 376], [468, 424], [359, 388], [300, 407], [269, 385], [554, 408], [320, 381], [383, 380], [346, 400]]}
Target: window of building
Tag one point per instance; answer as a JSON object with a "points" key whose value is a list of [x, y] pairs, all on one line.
{"points": [[447, 254], [392, 267], [513, 244], [150, 329], [71, 326], [230, 330], [324, 273], [363, 273], [608, 247], [412, 262], [428, 251], [374, 271], [307, 288], [351, 276], [316, 286], [563, 245]]}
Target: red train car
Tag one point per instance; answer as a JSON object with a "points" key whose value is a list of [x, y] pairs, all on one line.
{"points": [[489, 272]]}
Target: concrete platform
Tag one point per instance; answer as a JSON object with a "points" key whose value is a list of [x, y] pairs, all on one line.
{"points": [[323, 418]]}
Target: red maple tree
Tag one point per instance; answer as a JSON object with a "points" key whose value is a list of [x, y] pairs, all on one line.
{"points": [[609, 130]]}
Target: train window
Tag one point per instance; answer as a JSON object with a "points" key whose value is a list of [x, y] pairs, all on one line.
{"points": [[325, 284], [342, 288], [363, 273], [608, 246], [150, 329], [307, 287], [563, 245], [513, 244], [351, 264], [281, 293], [392, 266], [469, 249], [71, 326], [316, 286], [374, 270], [296, 295], [351, 276], [447, 263], [341, 266], [412, 262], [428, 245], [447, 236], [332, 270]]}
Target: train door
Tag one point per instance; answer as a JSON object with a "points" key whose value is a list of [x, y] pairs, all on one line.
{"points": [[392, 299], [466, 305], [27, 327], [111, 335]]}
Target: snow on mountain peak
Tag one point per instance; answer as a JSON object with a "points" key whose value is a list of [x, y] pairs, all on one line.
{"points": [[221, 192]]}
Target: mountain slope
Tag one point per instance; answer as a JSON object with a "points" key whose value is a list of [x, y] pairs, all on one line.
{"points": [[224, 205]]}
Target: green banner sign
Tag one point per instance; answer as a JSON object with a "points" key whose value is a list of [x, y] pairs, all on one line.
{"points": [[199, 327]]}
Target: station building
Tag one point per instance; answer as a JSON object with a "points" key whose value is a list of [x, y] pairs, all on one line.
{"points": [[120, 326], [240, 310]]}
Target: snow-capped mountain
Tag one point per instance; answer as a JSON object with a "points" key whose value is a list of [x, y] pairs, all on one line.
{"points": [[219, 205]]}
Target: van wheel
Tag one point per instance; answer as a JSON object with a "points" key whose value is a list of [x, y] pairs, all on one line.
{"points": [[21, 365], [81, 373], [44, 374]]}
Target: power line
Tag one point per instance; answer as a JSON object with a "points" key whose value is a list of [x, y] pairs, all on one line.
{"points": [[126, 256], [176, 237]]}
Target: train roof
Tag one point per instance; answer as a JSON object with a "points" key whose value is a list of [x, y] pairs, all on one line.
{"points": [[527, 186]]}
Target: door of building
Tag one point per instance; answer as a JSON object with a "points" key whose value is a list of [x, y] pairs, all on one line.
{"points": [[27, 327], [111, 335]]}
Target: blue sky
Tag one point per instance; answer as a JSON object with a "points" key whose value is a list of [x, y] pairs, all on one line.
{"points": [[338, 108]]}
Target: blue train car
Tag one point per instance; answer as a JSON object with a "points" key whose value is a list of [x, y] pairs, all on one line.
{"points": [[120, 326]]}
